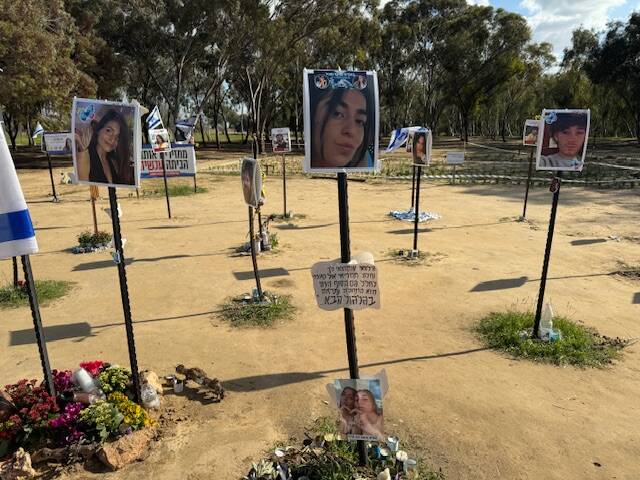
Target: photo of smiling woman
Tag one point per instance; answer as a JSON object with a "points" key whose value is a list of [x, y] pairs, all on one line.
{"points": [[105, 143], [564, 141], [341, 121]]}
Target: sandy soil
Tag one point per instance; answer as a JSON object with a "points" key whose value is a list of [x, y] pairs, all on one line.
{"points": [[472, 412]]}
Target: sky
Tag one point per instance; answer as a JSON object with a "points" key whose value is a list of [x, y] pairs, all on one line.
{"points": [[553, 21]]}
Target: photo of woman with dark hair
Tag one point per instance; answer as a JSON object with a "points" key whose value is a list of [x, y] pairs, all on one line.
{"points": [[342, 121], [565, 139], [104, 143], [419, 148]]}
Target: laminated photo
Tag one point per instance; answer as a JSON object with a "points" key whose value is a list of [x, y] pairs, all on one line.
{"points": [[251, 181], [281, 140], [564, 140], [159, 140], [421, 148], [359, 403], [106, 142], [409, 145], [530, 133], [57, 143], [341, 121]]}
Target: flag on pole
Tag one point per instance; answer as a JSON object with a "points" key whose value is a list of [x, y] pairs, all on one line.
{"points": [[154, 120], [16, 230], [399, 137], [187, 125], [39, 130]]}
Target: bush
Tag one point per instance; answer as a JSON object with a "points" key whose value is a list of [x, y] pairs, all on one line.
{"points": [[46, 290], [247, 313], [91, 240], [579, 346]]}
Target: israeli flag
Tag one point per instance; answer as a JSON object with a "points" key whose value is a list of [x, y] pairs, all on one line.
{"points": [[399, 137], [38, 131], [16, 230], [187, 125], [154, 120]]}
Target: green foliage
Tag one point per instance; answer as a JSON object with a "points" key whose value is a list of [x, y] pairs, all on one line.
{"points": [[46, 290], [90, 239], [246, 313], [102, 418], [114, 379], [579, 346], [179, 190]]}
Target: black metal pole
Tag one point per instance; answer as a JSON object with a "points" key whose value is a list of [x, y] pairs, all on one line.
{"points": [[37, 324], [260, 231], [53, 185], [284, 186], [124, 292], [195, 183], [413, 186], [15, 272], [417, 210], [349, 326], [166, 188], [547, 254], [254, 258], [526, 192]]}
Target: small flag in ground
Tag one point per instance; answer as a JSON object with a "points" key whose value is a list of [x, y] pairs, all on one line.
{"points": [[154, 120], [38, 131], [16, 230]]}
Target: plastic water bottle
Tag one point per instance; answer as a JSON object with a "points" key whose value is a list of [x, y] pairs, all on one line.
{"points": [[546, 321], [149, 397]]}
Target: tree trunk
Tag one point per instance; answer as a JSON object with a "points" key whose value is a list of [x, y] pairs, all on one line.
{"points": [[12, 129], [224, 124]]}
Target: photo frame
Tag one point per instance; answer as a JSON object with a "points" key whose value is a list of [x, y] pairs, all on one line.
{"points": [[341, 121], [421, 147], [360, 409], [57, 143], [530, 132], [565, 134], [251, 178], [107, 143], [281, 140]]}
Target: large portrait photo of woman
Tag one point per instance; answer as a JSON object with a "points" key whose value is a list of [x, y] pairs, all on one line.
{"points": [[341, 121], [421, 148], [106, 142], [564, 140]]}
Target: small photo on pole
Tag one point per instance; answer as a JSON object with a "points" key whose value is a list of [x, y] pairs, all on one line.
{"points": [[160, 141], [57, 143], [421, 149], [359, 403], [251, 181], [530, 133], [281, 140], [341, 121], [106, 143], [564, 140]]}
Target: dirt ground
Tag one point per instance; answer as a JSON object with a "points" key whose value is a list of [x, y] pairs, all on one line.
{"points": [[474, 413]]}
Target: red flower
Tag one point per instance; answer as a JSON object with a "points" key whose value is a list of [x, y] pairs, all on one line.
{"points": [[94, 368]]}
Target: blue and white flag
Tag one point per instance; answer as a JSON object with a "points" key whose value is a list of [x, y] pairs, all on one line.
{"points": [[38, 131], [16, 230], [399, 137], [154, 120], [187, 125]]}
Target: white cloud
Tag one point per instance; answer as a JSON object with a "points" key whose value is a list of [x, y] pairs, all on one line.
{"points": [[484, 3], [554, 21]]}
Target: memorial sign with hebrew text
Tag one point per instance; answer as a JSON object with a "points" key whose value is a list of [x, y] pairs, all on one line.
{"points": [[346, 285]]}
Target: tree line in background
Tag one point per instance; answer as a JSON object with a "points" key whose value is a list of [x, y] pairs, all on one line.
{"points": [[460, 69]]}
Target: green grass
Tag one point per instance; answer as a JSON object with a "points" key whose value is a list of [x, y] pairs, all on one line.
{"points": [[579, 346], [174, 191], [47, 291], [241, 313]]}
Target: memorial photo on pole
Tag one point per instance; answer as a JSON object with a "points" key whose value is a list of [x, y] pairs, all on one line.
{"points": [[359, 403], [341, 119], [159, 140], [281, 140], [564, 140], [421, 149], [530, 133], [251, 181], [57, 143], [409, 145], [106, 142]]}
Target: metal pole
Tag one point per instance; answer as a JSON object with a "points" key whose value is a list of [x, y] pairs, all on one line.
{"points": [[555, 186], [37, 324], [53, 185], [284, 186], [124, 292], [195, 183], [95, 218], [254, 258], [526, 193], [15, 272], [417, 211], [349, 326], [413, 186], [166, 188]]}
